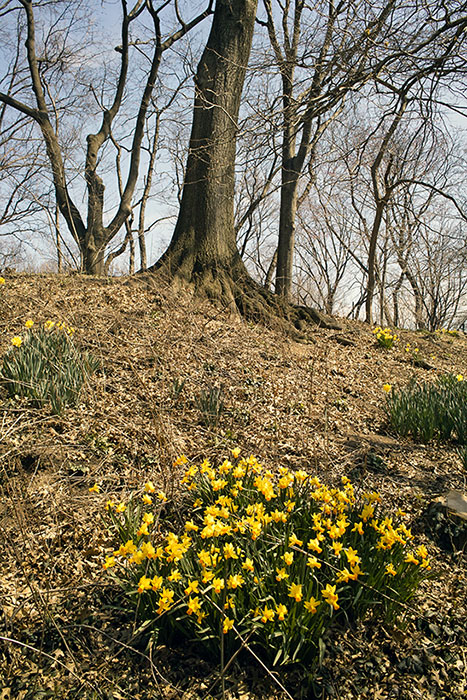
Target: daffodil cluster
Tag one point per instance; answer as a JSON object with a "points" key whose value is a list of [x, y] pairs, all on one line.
{"points": [[272, 556], [44, 365], [430, 410], [385, 337], [447, 332]]}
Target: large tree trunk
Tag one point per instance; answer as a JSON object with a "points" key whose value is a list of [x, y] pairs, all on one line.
{"points": [[93, 253], [203, 249]]}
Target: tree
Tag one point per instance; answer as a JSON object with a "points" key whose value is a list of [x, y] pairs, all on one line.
{"points": [[325, 51], [90, 233], [203, 250]]}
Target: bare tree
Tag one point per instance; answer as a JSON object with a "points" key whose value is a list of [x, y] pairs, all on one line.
{"points": [[90, 233], [325, 51], [323, 258]]}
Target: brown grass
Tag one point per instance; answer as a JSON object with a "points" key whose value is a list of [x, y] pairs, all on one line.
{"points": [[313, 404]]}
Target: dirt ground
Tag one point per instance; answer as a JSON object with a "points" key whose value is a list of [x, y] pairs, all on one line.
{"points": [[313, 402]]}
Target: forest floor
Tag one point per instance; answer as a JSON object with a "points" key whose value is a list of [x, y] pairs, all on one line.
{"points": [[316, 403]]}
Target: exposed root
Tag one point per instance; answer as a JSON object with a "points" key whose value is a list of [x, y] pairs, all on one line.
{"points": [[240, 294]]}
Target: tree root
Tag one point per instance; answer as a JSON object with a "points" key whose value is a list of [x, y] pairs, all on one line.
{"points": [[240, 294]]}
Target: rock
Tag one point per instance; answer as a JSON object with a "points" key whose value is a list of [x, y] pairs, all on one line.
{"points": [[372, 441], [446, 521], [455, 502]]}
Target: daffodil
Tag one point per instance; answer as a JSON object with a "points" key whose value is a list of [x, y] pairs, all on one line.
{"points": [[218, 585], [248, 565], [281, 574], [422, 551], [330, 596], [193, 606], [358, 527], [313, 563], [193, 587], [207, 576], [95, 489], [294, 541], [227, 625], [281, 611], [410, 559], [165, 601], [351, 555], [156, 582], [137, 558], [344, 575], [16, 341], [311, 605], [314, 546], [268, 615], [295, 591], [288, 558], [144, 584], [229, 551], [337, 547], [148, 550], [235, 581], [143, 530]]}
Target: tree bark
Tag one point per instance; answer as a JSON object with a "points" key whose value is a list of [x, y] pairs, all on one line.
{"points": [[203, 250]]}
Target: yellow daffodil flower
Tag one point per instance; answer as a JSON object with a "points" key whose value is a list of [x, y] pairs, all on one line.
{"points": [[281, 611], [248, 565], [330, 596], [288, 558], [313, 563], [144, 584], [218, 585], [294, 541], [235, 581], [227, 625], [268, 615], [296, 591], [311, 605]]}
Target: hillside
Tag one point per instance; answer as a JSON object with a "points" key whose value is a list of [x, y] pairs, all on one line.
{"points": [[314, 402]]}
